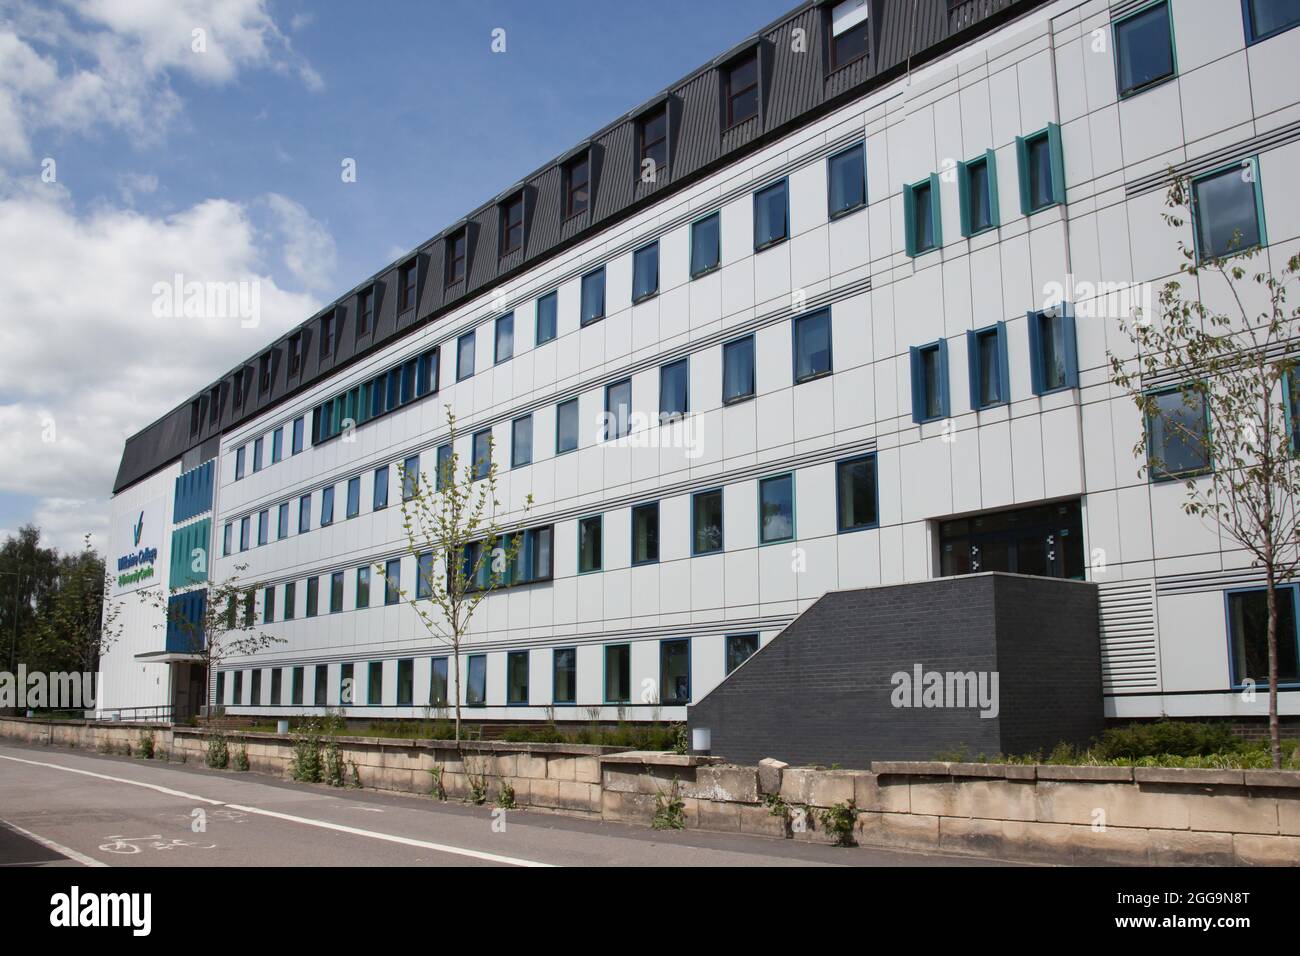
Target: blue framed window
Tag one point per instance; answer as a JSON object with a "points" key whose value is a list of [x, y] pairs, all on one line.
{"points": [[645, 533], [590, 550], [354, 496], [812, 346], [239, 463], [393, 581], [856, 494], [675, 671], [1177, 428], [977, 194], [257, 455], [363, 586], [706, 522], [336, 592], [674, 390], [740, 648], [846, 181], [1228, 210], [263, 527], [564, 675], [645, 272], [277, 445], [304, 513], [476, 684], [566, 426], [618, 409], [482, 450], [380, 501], [505, 337], [375, 684], [299, 426], [313, 595], [593, 297], [771, 215], [776, 509], [226, 538], [410, 477], [443, 467], [327, 506], [1144, 49], [618, 673], [706, 245], [438, 682], [243, 533], [465, 355], [1041, 166], [405, 681], [1266, 18], [738, 370], [521, 441], [930, 382], [290, 599], [1053, 356], [986, 353], [517, 678], [922, 220], [1291, 394], [547, 310], [1247, 613], [424, 576]]}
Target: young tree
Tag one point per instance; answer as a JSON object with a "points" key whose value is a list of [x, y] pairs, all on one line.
{"points": [[80, 620], [462, 551], [225, 628], [1229, 435]]}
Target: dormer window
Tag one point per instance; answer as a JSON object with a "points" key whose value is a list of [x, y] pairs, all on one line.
{"points": [[456, 245], [295, 353], [406, 283], [264, 373], [848, 32], [652, 139], [577, 185], [214, 405], [327, 335], [365, 311], [512, 224], [740, 89]]}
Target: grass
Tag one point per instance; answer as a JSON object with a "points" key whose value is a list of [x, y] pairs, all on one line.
{"points": [[634, 736]]}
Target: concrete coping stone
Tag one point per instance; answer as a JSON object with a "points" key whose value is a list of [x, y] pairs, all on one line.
{"points": [[912, 768], [1188, 775], [657, 758], [1271, 778], [481, 746], [978, 770], [1097, 774]]}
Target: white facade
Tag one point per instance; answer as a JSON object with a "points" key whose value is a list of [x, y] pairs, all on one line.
{"points": [[1162, 575]]}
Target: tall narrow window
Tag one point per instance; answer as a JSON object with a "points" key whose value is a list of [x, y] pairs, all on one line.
{"points": [[1042, 169], [268, 608], [566, 426], [320, 697], [1144, 49], [674, 390], [424, 576], [444, 466], [921, 219], [257, 455], [290, 600], [675, 672], [327, 506], [407, 278], [456, 245], [365, 310], [393, 581], [304, 513], [706, 522], [618, 673], [239, 462], [855, 493], [313, 596], [363, 586], [517, 678], [812, 346], [295, 353], [564, 679], [577, 185], [930, 382], [706, 244], [1053, 357], [738, 370], [589, 544], [986, 350], [243, 533], [593, 296], [505, 337], [264, 373], [1248, 636], [410, 477], [740, 90], [476, 685], [438, 682], [771, 215], [1177, 425], [380, 500], [977, 194], [299, 424], [263, 527], [465, 355], [347, 684], [1227, 211], [652, 136], [375, 683], [645, 272], [546, 314], [645, 534], [618, 409], [512, 224], [848, 32], [336, 592], [521, 441], [327, 335], [482, 450], [282, 521], [277, 445], [740, 648], [846, 173]]}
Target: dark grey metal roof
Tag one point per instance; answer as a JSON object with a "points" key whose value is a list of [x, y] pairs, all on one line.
{"points": [[794, 88]]}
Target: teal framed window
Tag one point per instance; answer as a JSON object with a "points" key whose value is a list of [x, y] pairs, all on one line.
{"points": [[645, 272], [1247, 626], [977, 194], [375, 684], [313, 595], [776, 509], [226, 537], [277, 445], [618, 673], [738, 370], [444, 466], [239, 462], [476, 683], [347, 683], [547, 312], [675, 672], [1291, 395], [521, 441], [771, 215], [1144, 49], [1268, 18], [363, 586], [593, 297], [268, 605], [1053, 353], [290, 600], [336, 592], [930, 400], [566, 426], [257, 455], [282, 521], [380, 499], [299, 431], [438, 682], [405, 681], [424, 576], [410, 477], [296, 688], [740, 648], [277, 687], [706, 245], [354, 496], [321, 691], [706, 522], [238, 692], [618, 409], [812, 346], [517, 678], [482, 450], [1041, 165], [922, 220], [645, 533], [393, 581], [990, 378], [504, 339], [674, 390], [465, 346], [1177, 429], [243, 532], [857, 494], [590, 550], [255, 687], [846, 181], [263, 526], [327, 506], [1228, 210], [564, 675]]}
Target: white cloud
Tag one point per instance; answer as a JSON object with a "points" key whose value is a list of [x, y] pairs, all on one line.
{"points": [[108, 62], [83, 360], [308, 248]]}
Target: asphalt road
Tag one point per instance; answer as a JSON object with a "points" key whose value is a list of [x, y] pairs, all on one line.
{"points": [[71, 808]]}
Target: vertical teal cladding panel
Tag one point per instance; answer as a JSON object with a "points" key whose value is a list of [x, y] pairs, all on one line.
{"points": [[189, 564]]}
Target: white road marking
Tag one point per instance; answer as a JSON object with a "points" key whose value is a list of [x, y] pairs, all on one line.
{"points": [[56, 847], [306, 821]]}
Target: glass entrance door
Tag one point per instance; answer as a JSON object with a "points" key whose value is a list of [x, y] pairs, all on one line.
{"points": [[1045, 540]]}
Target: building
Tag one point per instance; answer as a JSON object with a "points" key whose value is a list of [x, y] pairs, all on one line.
{"points": [[867, 266]]}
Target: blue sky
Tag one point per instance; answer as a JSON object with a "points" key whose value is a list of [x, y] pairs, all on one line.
{"points": [[225, 162]]}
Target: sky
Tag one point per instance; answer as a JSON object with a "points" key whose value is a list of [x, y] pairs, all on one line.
{"points": [[146, 139]]}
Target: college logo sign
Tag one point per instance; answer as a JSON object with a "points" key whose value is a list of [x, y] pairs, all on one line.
{"points": [[137, 558]]}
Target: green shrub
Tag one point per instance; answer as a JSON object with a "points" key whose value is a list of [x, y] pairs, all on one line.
{"points": [[670, 810], [506, 796], [241, 758], [218, 756], [838, 821], [1172, 737], [145, 747]]}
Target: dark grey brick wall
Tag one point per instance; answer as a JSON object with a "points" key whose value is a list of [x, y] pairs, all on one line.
{"points": [[820, 692]]}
